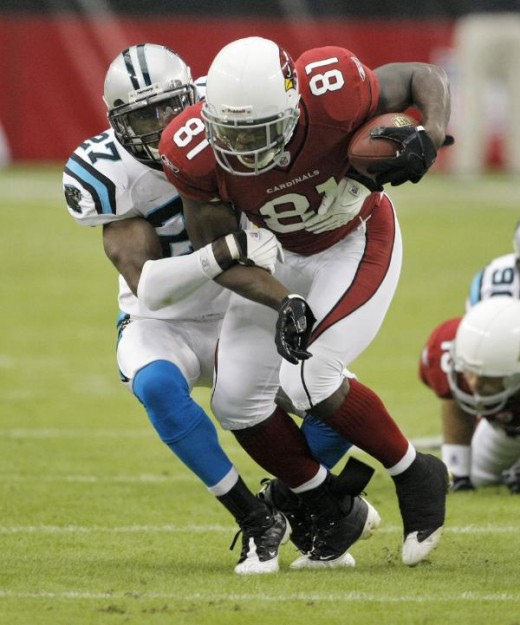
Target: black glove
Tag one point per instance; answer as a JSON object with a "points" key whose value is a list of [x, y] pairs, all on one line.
{"points": [[416, 150], [364, 180], [293, 328], [511, 478]]}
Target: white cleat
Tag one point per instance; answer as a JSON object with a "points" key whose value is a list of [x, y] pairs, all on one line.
{"points": [[261, 540], [415, 549], [304, 562], [252, 565], [422, 491]]}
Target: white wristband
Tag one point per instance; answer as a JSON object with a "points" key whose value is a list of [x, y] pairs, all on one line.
{"points": [[208, 262], [232, 246]]}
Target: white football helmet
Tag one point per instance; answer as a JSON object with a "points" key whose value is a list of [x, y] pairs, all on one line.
{"points": [[145, 87], [487, 344], [251, 107]]}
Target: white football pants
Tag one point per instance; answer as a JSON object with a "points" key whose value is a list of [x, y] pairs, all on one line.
{"points": [[349, 288], [492, 451]]}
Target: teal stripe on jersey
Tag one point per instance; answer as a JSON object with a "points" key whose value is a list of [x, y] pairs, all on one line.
{"points": [[103, 195], [475, 288]]}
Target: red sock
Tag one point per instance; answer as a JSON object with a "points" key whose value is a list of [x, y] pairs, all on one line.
{"points": [[363, 419], [278, 446]]}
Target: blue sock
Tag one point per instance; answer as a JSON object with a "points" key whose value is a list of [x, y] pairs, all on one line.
{"points": [[327, 446], [180, 422]]}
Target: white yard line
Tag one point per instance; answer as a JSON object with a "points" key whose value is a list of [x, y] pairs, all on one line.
{"points": [[206, 597], [17, 185], [100, 479], [73, 433], [430, 442]]}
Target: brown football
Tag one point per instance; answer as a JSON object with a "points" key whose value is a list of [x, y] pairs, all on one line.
{"points": [[363, 150]]}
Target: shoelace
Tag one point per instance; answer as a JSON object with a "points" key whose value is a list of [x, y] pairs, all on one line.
{"points": [[242, 530], [234, 541]]}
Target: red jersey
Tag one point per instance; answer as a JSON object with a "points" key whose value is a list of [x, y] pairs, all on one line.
{"points": [[338, 94], [435, 358]]}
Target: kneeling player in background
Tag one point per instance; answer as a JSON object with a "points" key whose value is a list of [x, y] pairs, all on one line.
{"points": [[472, 364]]}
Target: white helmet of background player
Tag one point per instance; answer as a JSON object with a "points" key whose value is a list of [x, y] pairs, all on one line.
{"points": [[251, 107], [486, 351], [145, 87]]}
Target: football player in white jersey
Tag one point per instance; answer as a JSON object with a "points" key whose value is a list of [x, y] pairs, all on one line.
{"points": [[501, 276], [478, 451], [165, 345]]}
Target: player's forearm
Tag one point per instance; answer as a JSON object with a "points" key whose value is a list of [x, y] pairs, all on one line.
{"points": [[421, 85], [169, 280], [255, 284], [431, 95], [458, 427]]}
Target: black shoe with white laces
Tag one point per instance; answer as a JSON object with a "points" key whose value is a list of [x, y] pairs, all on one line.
{"points": [[280, 497], [263, 532], [334, 535], [422, 491]]}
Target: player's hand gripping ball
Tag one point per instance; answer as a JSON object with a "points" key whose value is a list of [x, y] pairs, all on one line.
{"points": [[392, 148]]}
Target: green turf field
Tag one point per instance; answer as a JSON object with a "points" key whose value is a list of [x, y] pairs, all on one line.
{"points": [[101, 525]]}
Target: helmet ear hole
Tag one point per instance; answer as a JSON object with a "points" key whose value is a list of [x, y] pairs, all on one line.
{"points": [[145, 86]]}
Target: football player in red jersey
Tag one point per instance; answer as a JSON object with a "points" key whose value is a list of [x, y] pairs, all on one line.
{"points": [[270, 141], [472, 365]]}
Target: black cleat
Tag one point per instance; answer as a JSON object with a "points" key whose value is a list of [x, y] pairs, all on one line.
{"points": [[460, 484], [334, 537], [262, 534], [422, 491], [278, 496]]}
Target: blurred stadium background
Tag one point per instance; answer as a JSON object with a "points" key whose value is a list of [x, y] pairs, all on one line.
{"points": [[55, 52]]}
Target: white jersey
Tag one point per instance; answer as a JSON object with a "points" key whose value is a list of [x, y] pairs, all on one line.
{"points": [[104, 183], [499, 277]]}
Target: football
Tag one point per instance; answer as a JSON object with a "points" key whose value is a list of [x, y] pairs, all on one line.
{"points": [[363, 150]]}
